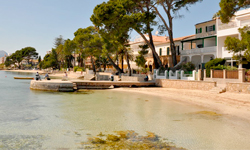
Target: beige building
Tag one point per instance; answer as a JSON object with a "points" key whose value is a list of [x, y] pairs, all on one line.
{"points": [[203, 46]]}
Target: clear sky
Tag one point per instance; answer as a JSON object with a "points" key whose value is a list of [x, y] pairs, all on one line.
{"points": [[37, 23]]}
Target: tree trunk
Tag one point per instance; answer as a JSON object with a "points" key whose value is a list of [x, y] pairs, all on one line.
{"points": [[155, 55], [93, 65], [114, 65], [151, 46], [129, 69], [172, 45], [122, 64], [157, 65]]}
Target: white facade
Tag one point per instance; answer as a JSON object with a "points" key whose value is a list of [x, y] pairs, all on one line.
{"points": [[241, 19], [134, 46]]}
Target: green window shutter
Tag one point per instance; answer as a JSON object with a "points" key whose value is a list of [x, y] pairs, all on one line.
{"points": [[160, 51], [196, 31], [168, 51], [206, 28], [213, 27], [200, 30]]}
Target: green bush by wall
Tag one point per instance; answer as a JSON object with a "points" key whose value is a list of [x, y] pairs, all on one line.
{"points": [[213, 63]]}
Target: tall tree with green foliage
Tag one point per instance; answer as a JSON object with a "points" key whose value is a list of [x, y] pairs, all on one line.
{"points": [[59, 41], [60, 55], [39, 62], [92, 44], [140, 59], [240, 47], [120, 16], [68, 49], [15, 59], [79, 38], [50, 60], [229, 7], [171, 10], [29, 53]]}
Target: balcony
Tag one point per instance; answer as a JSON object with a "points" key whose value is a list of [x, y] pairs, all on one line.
{"points": [[229, 25], [204, 50]]}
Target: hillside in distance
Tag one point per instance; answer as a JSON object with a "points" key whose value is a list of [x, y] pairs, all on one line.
{"points": [[2, 53]]}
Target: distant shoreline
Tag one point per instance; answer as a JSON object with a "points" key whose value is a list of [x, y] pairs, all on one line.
{"points": [[28, 71], [71, 74]]}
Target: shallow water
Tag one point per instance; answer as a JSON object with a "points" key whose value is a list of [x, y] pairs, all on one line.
{"points": [[51, 120]]}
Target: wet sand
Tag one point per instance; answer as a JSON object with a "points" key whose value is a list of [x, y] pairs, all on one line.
{"points": [[233, 104]]}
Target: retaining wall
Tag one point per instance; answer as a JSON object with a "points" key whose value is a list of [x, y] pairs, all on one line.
{"points": [[182, 84], [238, 87]]}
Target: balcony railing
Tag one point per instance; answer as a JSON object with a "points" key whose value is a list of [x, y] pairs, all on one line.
{"points": [[227, 26], [199, 50]]}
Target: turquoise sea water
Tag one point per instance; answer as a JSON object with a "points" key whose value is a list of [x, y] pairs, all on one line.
{"points": [[52, 120]]}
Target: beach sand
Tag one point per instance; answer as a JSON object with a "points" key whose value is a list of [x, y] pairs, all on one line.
{"points": [[233, 104]]}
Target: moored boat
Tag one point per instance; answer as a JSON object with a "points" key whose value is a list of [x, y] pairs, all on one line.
{"points": [[24, 78]]}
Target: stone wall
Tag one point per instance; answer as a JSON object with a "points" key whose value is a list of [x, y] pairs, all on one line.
{"points": [[238, 87], [182, 84], [132, 78]]}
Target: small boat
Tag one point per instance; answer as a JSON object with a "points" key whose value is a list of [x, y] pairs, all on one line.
{"points": [[24, 78]]}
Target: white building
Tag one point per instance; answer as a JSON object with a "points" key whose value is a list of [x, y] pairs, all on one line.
{"points": [[134, 45], [164, 51], [162, 48], [240, 19]]}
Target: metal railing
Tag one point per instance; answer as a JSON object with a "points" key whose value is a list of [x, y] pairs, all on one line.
{"points": [[227, 26], [211, 49]]}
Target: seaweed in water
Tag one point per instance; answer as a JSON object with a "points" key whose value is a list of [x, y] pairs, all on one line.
{"points": [[128, 140]]}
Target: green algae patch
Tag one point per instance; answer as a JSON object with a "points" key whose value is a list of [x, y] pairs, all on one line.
{"points": [[208, 113], [83, 91], [128, 140], [205, 115]]}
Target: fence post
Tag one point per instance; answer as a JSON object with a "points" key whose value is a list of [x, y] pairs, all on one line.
{"points": [[241, 74], [204, 75], [199, 74], [224, 74], [211, 73], [194, 74]]}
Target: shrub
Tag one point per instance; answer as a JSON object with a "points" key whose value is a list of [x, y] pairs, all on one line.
{"points": [[213, 63], [144, 70], [76, 68], [187, 67]]}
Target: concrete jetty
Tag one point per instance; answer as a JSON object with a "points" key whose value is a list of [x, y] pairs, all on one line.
{"points": [[52, 85], [69, 86]]}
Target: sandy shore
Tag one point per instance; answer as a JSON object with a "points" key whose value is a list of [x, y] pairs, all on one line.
{"points": [[233, 104], [28, 71]]}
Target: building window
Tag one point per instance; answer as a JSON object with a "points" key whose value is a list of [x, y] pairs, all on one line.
{"points": [[168, 51], [198, 30], [160, 51], [210, 28]]}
